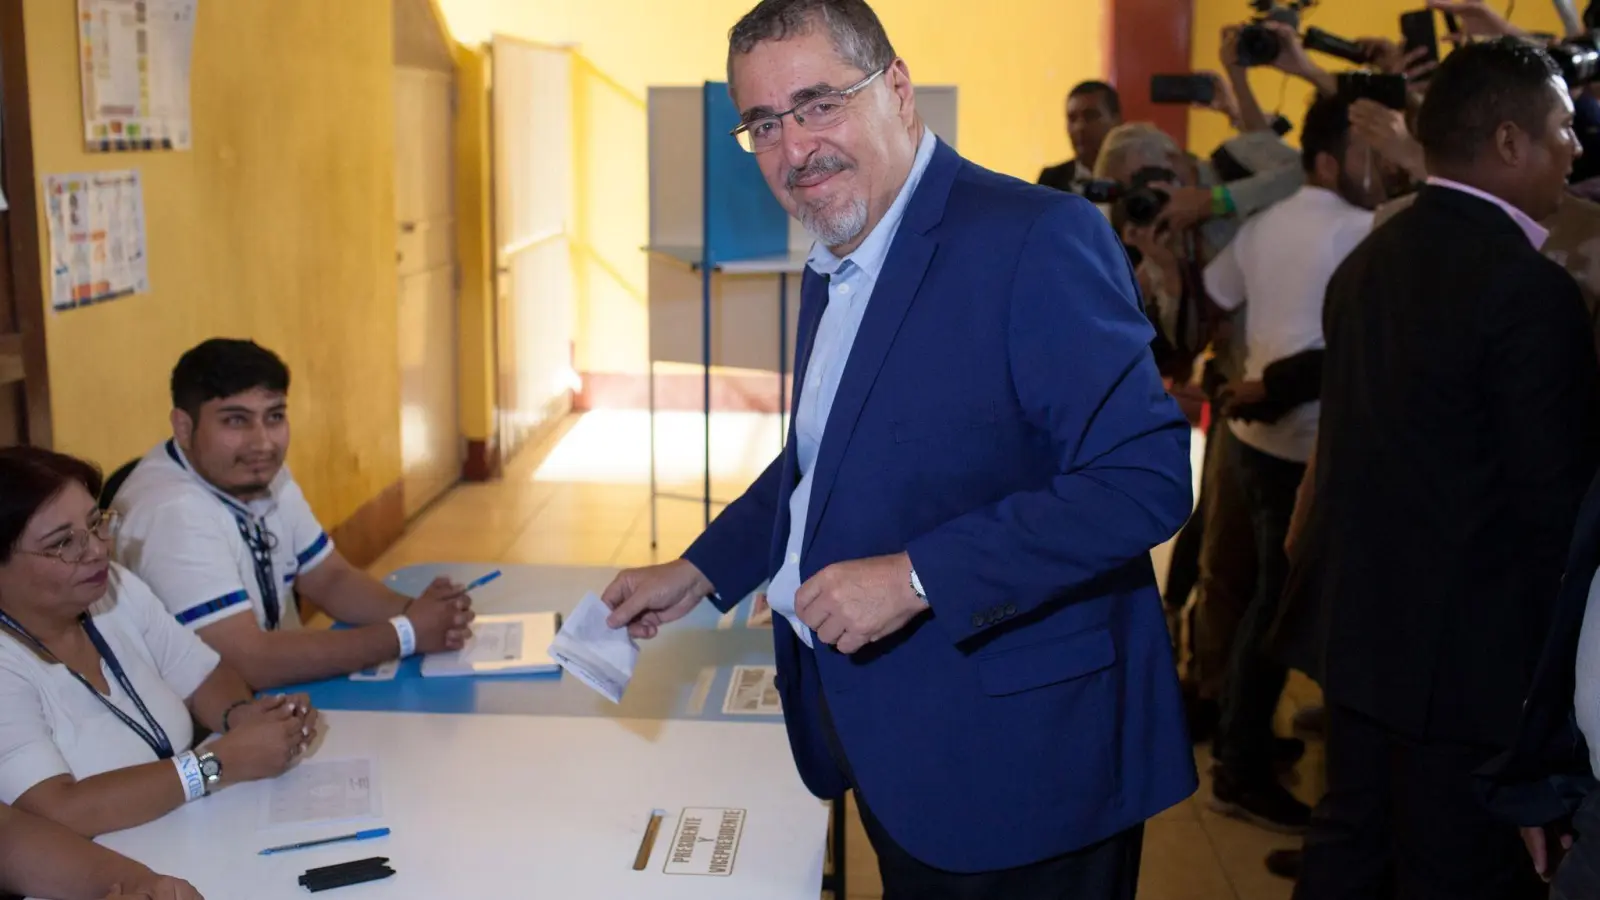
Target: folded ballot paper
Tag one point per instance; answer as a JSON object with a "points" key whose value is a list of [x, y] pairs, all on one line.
{"points": [[597, 655]]}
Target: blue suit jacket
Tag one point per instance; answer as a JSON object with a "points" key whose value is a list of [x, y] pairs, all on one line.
{"points": [[1000, 417]]}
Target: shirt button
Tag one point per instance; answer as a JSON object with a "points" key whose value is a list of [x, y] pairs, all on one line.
{"points": [[844, 288], [794, 559]]}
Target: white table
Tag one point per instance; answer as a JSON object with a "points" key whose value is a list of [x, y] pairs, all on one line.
{"points": [[513, 806]]}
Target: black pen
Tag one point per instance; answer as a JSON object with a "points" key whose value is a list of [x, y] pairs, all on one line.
{"points": [[376, 862], [345, 879]]}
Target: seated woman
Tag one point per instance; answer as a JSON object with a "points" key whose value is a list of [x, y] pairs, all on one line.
{"points": [[98, 682], [42, 859]]}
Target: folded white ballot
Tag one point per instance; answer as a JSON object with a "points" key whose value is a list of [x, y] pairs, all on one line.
{"points": [[597, 655]]}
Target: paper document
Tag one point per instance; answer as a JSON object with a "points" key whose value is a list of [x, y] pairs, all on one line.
{"points": [[595, 654], [331, 791], [510, 644], [494, 642], [751, 692], [380, 672]]}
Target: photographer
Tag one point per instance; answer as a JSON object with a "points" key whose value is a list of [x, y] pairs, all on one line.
{"points": [[1278, 268]]}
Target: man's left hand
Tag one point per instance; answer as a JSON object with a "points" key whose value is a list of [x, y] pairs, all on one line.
{"points": [[851, 604]]}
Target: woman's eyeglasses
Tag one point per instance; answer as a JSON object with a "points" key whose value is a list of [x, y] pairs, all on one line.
{"points": [[73, 547]]}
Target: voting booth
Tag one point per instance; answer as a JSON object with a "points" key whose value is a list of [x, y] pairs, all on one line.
{"points": [[725, 259]]}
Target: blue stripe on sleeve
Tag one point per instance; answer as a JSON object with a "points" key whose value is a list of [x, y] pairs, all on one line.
{"points": [[317, 546], [211, 607]]}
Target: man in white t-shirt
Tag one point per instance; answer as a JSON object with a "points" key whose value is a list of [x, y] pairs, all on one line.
{"points": [[213, 521], [1280, 264]]}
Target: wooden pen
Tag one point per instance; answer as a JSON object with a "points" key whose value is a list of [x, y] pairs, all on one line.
{"points": [[648, 843]]}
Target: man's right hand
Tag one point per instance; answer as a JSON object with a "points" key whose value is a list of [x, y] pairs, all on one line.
{"points": [[645, 599], [442, 617], [1546, 859], [155, 887]]}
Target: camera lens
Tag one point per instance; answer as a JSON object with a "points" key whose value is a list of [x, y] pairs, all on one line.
{"points": [[1143, 205], [1258, 46]]}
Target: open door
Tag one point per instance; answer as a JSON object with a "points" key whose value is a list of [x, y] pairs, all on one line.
{"points": [[534, 291]]}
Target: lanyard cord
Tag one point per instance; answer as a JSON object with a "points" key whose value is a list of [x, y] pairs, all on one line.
{"points": [[154, 735]]}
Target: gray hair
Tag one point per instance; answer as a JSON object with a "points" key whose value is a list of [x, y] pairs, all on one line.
{"points": [[1137, 141], [857, 35]]}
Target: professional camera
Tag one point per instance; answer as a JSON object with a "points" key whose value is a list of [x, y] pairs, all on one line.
{"points": [[1137, 203], [1579, 58], [1258, 46]]}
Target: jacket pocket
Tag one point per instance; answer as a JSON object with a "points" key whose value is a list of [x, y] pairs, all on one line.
{"points": [[1046, 663]]}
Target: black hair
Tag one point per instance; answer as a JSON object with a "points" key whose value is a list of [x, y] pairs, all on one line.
{"points": [[857, 34], [1325, 130], [1113, 100], [29, 478], [1480, 87], [222, 368]]}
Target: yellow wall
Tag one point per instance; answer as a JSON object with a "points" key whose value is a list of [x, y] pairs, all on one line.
{"points": [[1346, 18], [278, 226], [1013, 70]]}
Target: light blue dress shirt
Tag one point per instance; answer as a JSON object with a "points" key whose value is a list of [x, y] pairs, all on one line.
{"points": [[849, 288], [1586, 699]]}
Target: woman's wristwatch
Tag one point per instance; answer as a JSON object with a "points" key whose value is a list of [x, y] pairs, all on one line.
{"points": [[211, 771]]}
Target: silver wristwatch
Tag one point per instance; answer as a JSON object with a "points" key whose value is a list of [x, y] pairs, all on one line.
{"points": [[210, 770], [916, 587]]}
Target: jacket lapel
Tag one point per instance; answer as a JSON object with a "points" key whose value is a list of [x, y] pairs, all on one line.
{"points": [[909, 255]]}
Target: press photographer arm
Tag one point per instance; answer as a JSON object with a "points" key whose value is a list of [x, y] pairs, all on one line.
{"points": [[1250, 116]]}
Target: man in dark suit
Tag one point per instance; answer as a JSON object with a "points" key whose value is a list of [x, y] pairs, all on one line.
{"points": [[1093, 109], [957, 533], [1546, 783], [1460, 404]]}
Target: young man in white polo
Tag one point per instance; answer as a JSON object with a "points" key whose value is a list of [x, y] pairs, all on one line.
{"points": [[214, 522]]}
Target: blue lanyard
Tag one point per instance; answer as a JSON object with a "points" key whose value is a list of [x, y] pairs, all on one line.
{"points": [[260, 542], [155, 736], [257, 539]]}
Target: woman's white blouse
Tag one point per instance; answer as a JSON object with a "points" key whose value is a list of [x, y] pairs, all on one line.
{"points": [[50, 724]]}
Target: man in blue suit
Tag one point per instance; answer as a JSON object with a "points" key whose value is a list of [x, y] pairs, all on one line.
{"points": [[958, 530]]}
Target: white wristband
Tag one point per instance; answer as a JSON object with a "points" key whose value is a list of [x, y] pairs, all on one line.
{"points": [[407, 634], [194, 783]]}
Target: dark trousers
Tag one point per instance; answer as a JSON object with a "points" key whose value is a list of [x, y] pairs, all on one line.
{"points": [[1578, 877], [1243, 743], [1108, 870], [1401, 821], [1183, 569], [1227, 568]]}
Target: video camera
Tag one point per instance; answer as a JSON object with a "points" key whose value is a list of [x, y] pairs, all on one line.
{"points": [[1259, 46]]}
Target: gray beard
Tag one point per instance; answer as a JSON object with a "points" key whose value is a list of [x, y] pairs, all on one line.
{"points": [[838, 228]]}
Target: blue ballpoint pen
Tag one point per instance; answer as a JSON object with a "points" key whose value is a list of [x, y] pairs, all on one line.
{"points": [[358, 836], [481, 581]]}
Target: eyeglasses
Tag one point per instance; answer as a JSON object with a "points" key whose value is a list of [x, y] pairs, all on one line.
{"points": [[73, 547], [816, 114]]}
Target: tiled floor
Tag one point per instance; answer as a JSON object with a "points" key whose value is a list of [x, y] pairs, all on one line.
{"points": [[583, 498]]}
